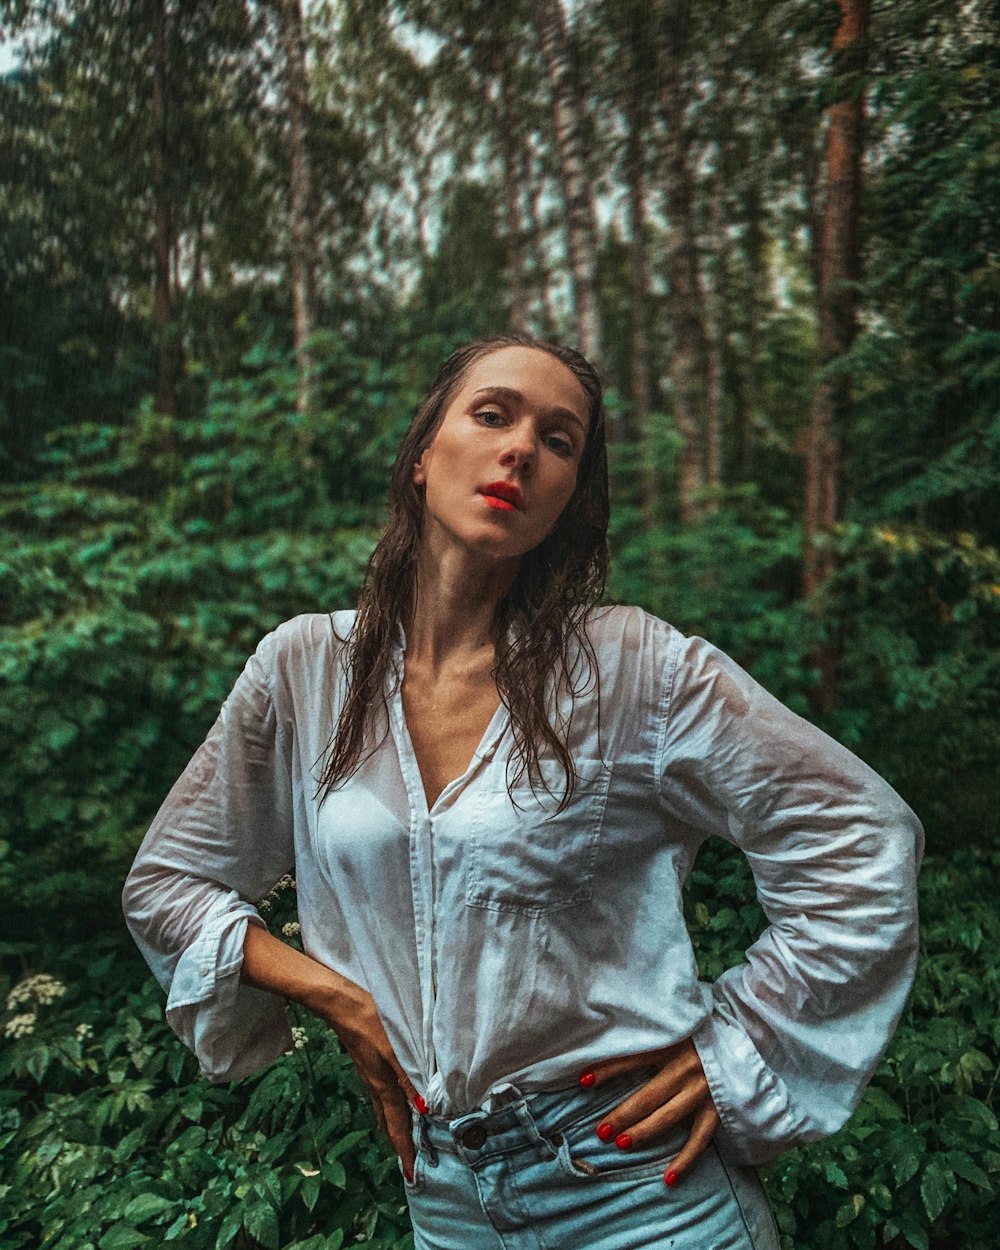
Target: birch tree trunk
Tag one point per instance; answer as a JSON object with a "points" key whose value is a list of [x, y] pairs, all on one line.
{"points": [[641, 70], [690, 358], [302, 252], [838, 270], [514, 229], [531, 180], [581, 220]]}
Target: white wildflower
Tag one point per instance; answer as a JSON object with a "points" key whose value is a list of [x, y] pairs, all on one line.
{"points": [[83, 1031], [299, 1039], [41, 988], [292, 929], [20, 1026], [287, 882]]}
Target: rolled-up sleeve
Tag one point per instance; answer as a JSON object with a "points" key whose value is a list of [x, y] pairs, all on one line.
{"points": [[221, 840], [794, 1034]]}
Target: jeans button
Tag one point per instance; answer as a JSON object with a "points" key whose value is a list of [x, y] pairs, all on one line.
{"points": [[472, 1137]]}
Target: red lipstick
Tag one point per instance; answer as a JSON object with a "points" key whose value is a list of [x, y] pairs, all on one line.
{"points": [[503, 495]]}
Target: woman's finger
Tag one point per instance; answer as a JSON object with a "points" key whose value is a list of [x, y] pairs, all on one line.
{"points": [[702, 1131], [598, 1073], [399, 1130], [682, 1073], [684, 1105]]}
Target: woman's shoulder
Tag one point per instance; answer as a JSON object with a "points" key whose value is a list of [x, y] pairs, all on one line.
{"points": [[624, 628], [305, 646]]}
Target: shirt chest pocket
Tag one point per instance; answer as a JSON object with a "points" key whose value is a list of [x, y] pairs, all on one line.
{"points": [[526, 856]]}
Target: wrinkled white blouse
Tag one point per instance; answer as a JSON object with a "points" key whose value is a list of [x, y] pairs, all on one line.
{"points": [[507, 943]]}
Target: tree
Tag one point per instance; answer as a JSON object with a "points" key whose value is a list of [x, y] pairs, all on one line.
{"points": [[574, 177], [302, 252], [837, 291]]}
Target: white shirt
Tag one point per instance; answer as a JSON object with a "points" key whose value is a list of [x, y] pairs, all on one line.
{"points": [[512, 944]]}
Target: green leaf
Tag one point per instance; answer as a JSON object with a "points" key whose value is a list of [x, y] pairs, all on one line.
{"points": [[334, 1174], [917, 1237], [937, 1186], [904, 1159], [121, 1237], [835, 1175], [262, 1224], [850, 1210], [146, 1206], [231, 1224], [962, 1165], [309, 1191]]}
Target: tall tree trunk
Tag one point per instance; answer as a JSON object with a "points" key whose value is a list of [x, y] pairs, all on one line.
{"points": [[748, 375], [581, 220], [690, 358], [717, 316], [168, 360], [640, 69], [302, 258], [838, 264], [510, 142], [531, 182]]}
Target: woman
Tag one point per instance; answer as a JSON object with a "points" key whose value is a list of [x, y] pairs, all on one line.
{"points": [[491, 792]]}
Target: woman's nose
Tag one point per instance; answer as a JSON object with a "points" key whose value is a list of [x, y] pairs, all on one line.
{"points": [[520, 450]]}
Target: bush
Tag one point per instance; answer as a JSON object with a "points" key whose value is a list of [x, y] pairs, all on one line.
{"points": [[109, 1138]]}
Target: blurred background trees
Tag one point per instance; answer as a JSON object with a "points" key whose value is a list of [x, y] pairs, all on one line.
{"points": [[237, 238]]}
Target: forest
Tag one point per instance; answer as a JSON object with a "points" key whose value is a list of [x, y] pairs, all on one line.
{"points": [[236, 240]]}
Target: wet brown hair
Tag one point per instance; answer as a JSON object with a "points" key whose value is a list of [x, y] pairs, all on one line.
{"points": [[538, 629]]}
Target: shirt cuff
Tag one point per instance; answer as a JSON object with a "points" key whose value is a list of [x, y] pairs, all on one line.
{"points": [[233, 1029], [756, 1119]]}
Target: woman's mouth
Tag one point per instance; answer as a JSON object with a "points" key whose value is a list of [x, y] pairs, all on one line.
{"points": [[504, 496]]}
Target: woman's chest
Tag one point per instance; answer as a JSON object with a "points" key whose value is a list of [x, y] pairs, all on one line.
{"points": [[446, 721]]}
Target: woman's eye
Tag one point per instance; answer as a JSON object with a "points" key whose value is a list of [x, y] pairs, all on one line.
{"points": [[560, 444], [490, 416]]}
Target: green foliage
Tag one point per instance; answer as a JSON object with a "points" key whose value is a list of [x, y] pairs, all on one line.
{"points": [[919, 1162], [136, 580], [918, 614], [109, 1137]]}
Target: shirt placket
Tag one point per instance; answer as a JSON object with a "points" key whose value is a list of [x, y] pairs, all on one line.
{"points": [[423, 827]]}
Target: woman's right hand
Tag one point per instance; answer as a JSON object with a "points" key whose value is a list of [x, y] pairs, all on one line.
{"points": [[350, 1011]]}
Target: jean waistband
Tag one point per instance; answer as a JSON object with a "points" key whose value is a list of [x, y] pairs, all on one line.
{"points": [[527, 1118]]}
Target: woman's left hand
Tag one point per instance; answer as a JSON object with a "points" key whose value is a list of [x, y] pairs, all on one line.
{"points": [[679, 1091]]}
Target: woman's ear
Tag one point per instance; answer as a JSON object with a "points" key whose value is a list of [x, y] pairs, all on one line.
{"points": [[420, 470]]}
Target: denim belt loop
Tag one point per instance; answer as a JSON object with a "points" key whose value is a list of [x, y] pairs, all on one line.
{"points": [[527, 1121]]}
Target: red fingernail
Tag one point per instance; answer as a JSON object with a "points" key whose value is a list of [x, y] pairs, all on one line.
{"points": [[623, 1141], [420, 1103], [588, 1080], [409, 1176], [671, 1178], [605, 1132]]}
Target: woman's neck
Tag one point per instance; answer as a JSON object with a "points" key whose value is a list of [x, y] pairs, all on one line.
{"points": [[455, 600]]}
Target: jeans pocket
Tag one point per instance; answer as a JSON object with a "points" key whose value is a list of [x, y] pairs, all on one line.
{"points": [[527, 856], [581, 1153]]}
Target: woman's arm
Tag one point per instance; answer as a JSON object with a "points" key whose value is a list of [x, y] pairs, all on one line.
{"points": [[794, 1033], [270, 964], [222, 838]]}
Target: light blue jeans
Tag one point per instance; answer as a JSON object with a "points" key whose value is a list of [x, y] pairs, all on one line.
{"points": [[534, 1176]]}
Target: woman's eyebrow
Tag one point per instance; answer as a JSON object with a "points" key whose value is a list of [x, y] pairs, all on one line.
{"points": [[514, 396]]}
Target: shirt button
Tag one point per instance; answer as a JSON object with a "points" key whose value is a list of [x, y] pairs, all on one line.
{"points": [[472, 1137], [204, 972]]}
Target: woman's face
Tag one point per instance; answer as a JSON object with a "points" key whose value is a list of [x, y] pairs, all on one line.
{"points": [[502, 465]]}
